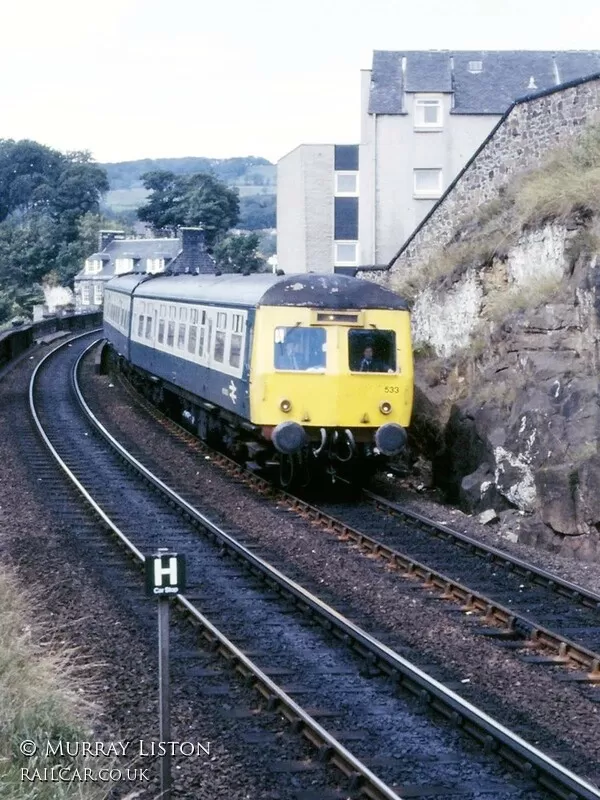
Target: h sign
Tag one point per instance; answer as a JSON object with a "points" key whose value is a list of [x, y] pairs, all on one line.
{"points": [[165, 574]]}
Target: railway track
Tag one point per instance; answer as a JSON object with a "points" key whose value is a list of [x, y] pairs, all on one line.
{"points": [[523, 606], [429, 692]]}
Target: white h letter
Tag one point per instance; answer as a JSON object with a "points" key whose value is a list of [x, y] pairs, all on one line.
{"points": [[171, 571]]}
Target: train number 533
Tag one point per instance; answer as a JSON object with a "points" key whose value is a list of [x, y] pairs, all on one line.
{"points": [[392, 390]]}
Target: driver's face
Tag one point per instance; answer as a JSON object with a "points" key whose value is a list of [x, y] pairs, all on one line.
{"points": [[368, 353]]}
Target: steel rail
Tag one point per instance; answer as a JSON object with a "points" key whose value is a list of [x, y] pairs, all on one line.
{"points": [[532, 573], [533, 635], [329, 748], [477, 723]]}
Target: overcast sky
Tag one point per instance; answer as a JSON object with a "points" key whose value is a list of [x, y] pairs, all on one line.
{"points": [[130, 79]]}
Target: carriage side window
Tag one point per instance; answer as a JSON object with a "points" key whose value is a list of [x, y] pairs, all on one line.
{"points": [[220, 337], [170, 333], [148, 327], [172, 311], [161, 330], [140, 326], [300, 349], [183, 314], [235, 349], [192, 339], [181, 336], [372, 351]]}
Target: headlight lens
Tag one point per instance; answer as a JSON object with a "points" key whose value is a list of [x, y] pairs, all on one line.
{"points": [[285, 406], [385, 407]]}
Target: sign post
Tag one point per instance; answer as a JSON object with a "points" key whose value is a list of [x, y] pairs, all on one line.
{"points": [[165, 577]]}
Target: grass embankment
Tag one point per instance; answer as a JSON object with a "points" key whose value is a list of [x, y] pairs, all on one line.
{"points": [[41, 691], [564, 187]]}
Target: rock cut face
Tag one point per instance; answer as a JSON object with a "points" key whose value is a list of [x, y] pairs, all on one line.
{"points": [[527, 435]]}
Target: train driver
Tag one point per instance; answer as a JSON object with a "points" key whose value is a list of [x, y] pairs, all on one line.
{"points": [[369, 363]]}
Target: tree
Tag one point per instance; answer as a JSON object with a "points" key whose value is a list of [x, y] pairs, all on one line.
{"points": [[44, 194], [239, 254], [189, 200], [257, 212]]}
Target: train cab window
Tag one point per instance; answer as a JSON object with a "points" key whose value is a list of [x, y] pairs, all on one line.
{"points": [[148, 327], [161, 330], [170, 333], [300, 349], [372, 351]]}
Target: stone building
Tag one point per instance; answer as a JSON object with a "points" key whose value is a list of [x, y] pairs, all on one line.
{"points": [[116, 255], [423, 115]]}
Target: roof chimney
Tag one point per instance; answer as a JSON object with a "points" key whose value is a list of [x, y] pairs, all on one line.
{"points": [[106, 237], [194, 257]]}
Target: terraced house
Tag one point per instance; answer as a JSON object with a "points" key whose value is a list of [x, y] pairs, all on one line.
{"points": [[423, 115], [117, 255]]}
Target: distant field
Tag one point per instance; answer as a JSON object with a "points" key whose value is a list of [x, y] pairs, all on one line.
{"points": [[127, 199]]}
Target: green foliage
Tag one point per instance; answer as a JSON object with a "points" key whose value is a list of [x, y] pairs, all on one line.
{"points": [[44, 197], [189, 200], [239, 254], [257, 212]]}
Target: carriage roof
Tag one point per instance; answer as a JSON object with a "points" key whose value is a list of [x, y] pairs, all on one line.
{"points": [[303, 289]]}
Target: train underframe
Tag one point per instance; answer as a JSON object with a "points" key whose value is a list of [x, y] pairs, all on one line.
{"points": [[330, 456]]}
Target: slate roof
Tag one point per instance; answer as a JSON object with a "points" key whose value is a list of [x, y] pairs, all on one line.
{"points": [[170, 249], [506, 75]]}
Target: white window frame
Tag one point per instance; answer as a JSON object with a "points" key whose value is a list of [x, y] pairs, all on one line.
{"points": [[421, 102], [98, 294], [338, 262], [123, 265], [85, 293], [428, 194], [340, 192], [154, 265]]}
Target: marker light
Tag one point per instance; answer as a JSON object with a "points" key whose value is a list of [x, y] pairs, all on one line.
{"points": [[385, 407], [285, 406]]}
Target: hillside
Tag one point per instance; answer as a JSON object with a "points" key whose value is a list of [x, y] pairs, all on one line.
{"points": [[254, 178]]}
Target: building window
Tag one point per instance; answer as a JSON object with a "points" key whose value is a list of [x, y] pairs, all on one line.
{"points": [[154, 265], [428, 112], [123, 265], [85, 294], [475, 66], [93, 266], [346, 184], [427, 183], [98, 293], [346, 254]]}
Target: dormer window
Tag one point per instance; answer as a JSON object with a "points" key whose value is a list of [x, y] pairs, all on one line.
{"points": [[93, 266], [123, 265], [428, 112], [154, 265], [475, 67]]}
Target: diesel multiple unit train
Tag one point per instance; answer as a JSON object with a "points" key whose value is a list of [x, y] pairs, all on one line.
{"points": [[305, 375]]}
